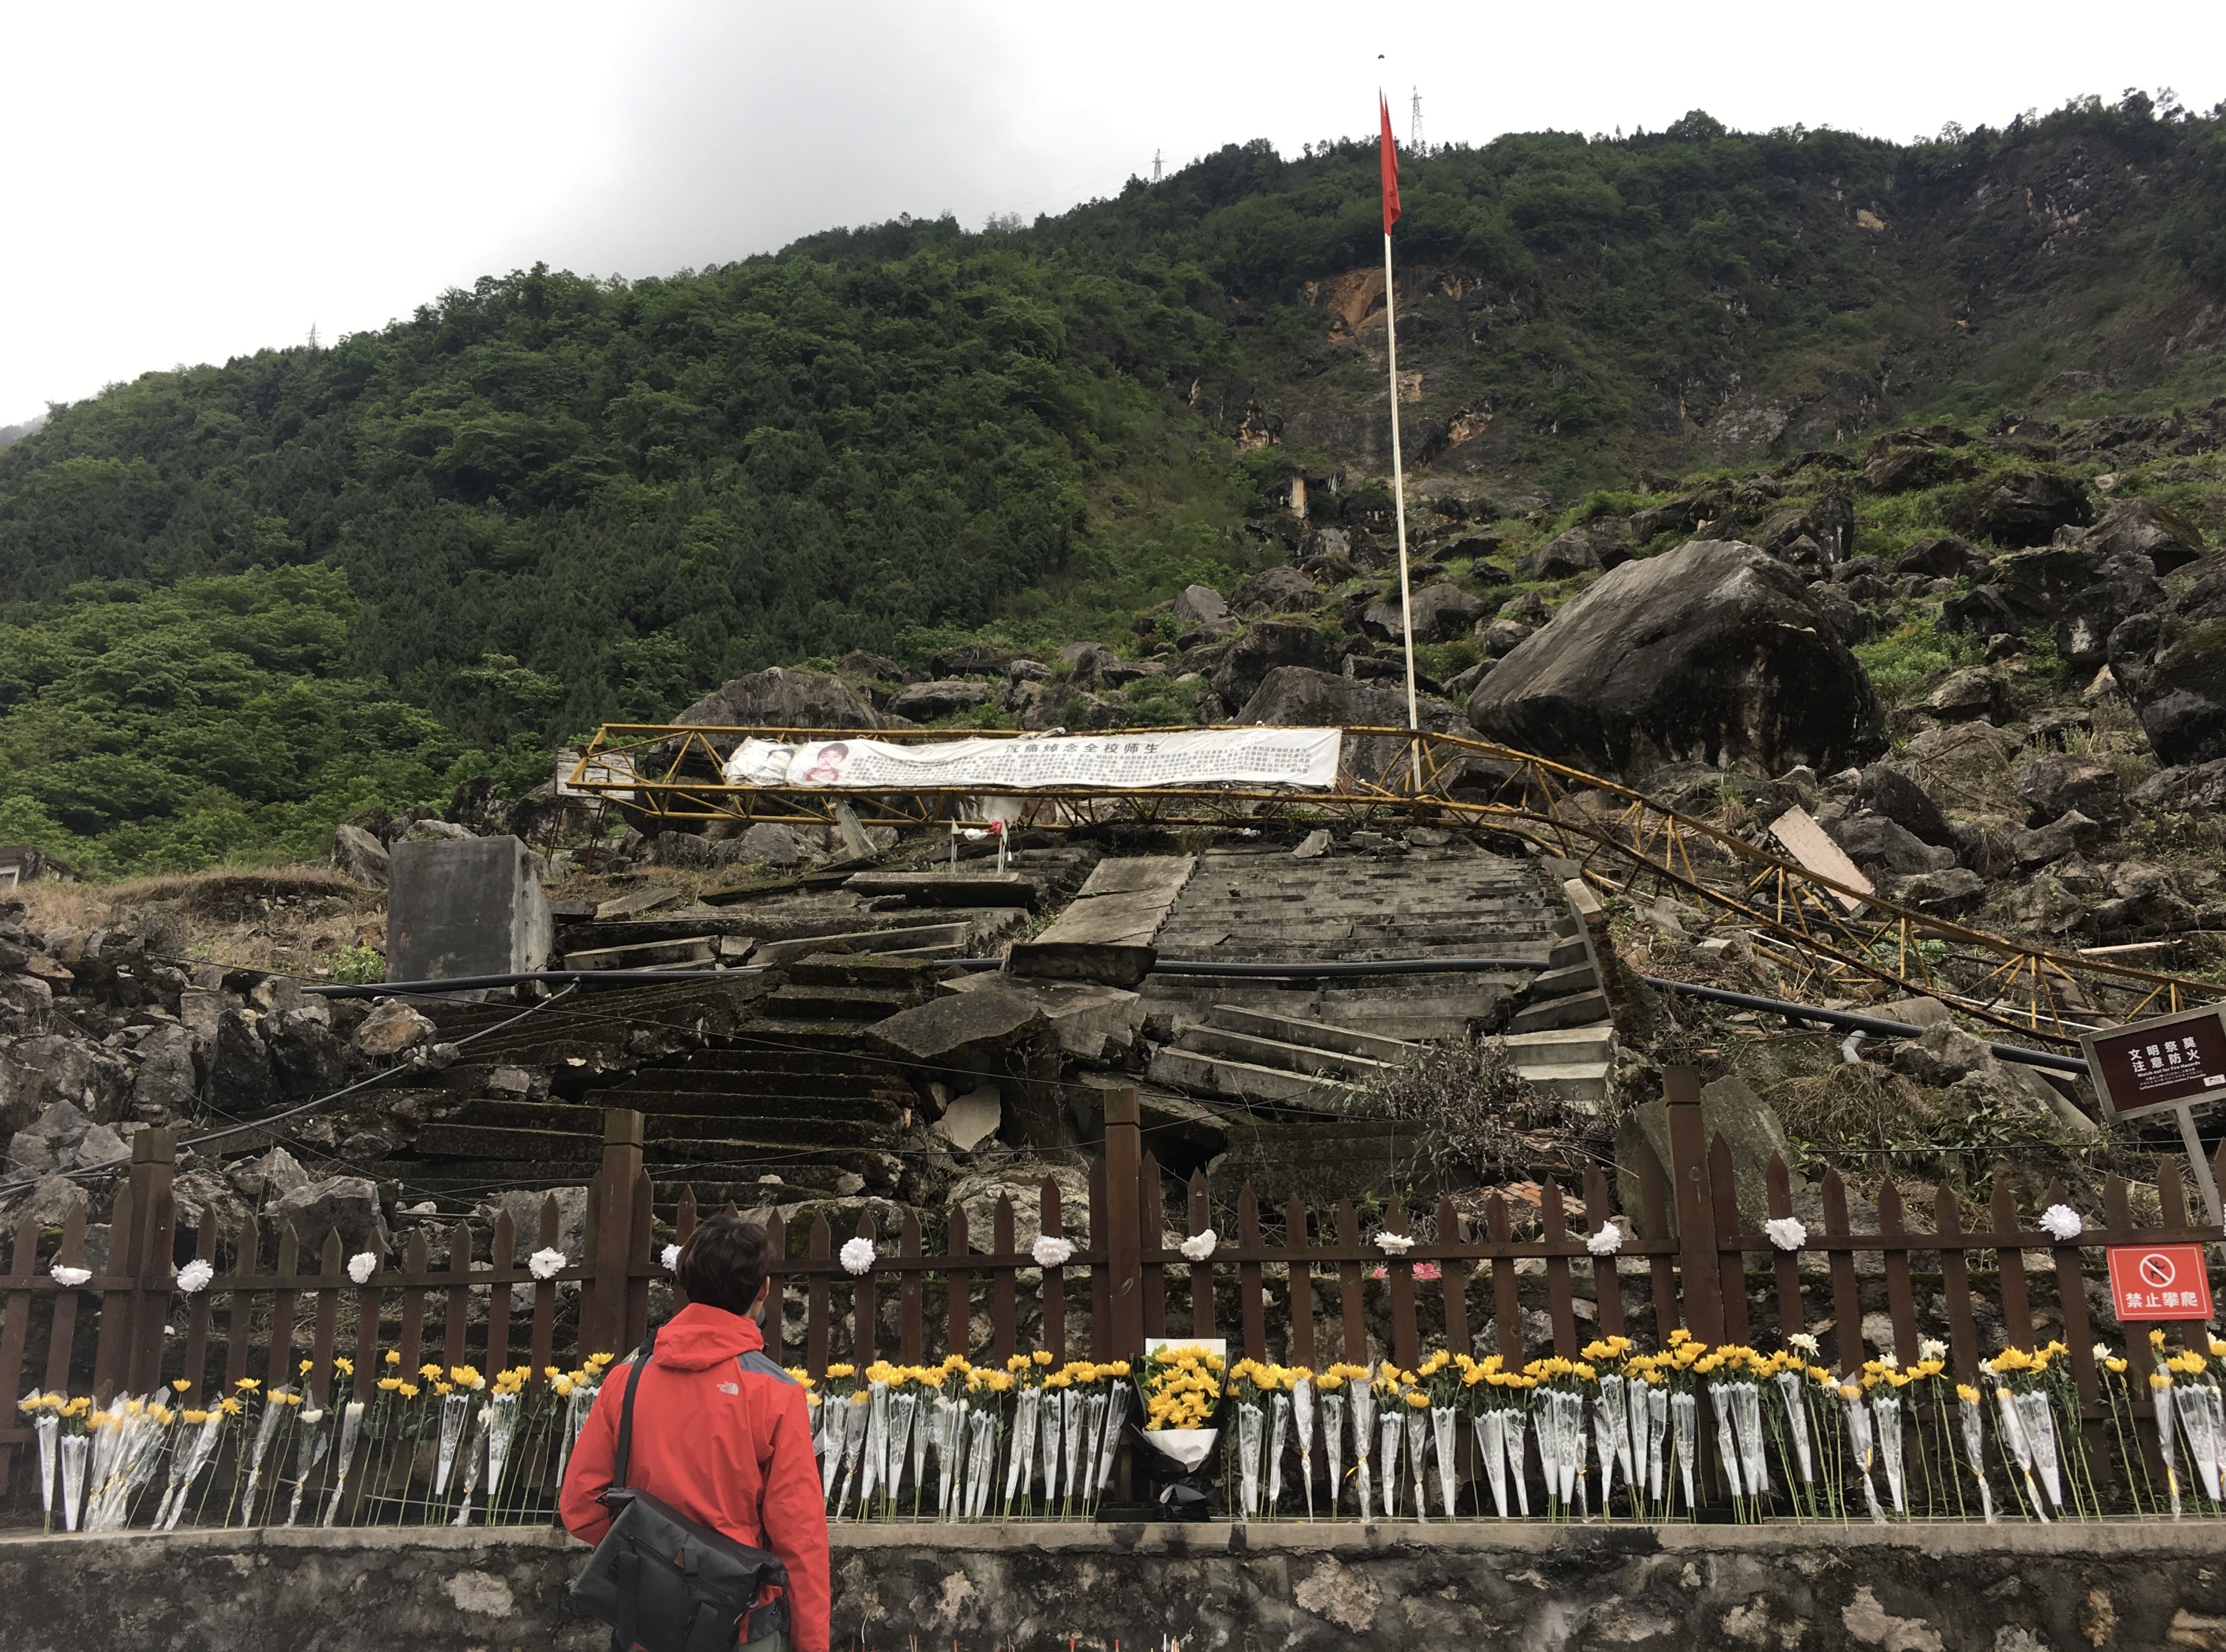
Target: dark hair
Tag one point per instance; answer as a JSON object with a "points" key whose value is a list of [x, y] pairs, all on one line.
{"points": [[723, 1264]]}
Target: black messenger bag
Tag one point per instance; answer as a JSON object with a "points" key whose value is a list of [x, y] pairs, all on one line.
{"points": [[667, 1584]]}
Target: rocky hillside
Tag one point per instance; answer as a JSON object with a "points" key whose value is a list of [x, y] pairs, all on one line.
{"points": [[243, 602]]}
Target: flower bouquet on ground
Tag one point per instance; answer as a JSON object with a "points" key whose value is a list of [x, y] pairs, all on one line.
{"points": [[1180, 1386]]}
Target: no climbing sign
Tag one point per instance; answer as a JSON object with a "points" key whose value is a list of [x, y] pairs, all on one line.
{"points": [[2158, 1282]]}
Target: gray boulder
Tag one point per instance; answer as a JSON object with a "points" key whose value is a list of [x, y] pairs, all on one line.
{"points": [[1975, 694], [1581, 550], [2055, 783], [1277, 590], [2182, 789], [49, 1067], [693, 852], [524, 1207], [2028, 507], [1268, 644], [360, 854], [240, 1064], [347, 1203], [1502, 637], [49, 1202], [1729, 1108], [1442, 611], [1294, 698], [772, 844], [781, 699], [389, 1029], [169, 1079], [2071, 832], [1945, 894], [2144, 528], [1886, 849], [2182, 699], [925, 701], [2084, 629], [1712, 652], [1200, 607], [1896, 795]]}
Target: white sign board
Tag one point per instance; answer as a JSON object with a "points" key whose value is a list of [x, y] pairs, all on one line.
{"points": [[612, 768], [1284, 757]]}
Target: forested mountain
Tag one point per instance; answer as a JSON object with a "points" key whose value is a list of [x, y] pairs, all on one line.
{"points": [[238, 600]]}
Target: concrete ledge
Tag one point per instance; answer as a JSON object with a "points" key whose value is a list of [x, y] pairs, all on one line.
{"points": [[2013, 1587]]}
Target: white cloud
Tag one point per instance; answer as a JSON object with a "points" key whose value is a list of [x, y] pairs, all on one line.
{"points": [[188, 184]]}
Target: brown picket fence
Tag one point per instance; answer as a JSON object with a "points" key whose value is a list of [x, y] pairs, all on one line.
{"points": [[1303, 1300]]}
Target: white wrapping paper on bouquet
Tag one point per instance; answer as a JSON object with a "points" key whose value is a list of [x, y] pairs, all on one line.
{"points": [[1491, 1447], [1333, 1410], [1302, 1421], [2020, 1448], [1796, 1421], [1975, 1452], [1418, 1458], [1444, 1421], [1278, 1427], [1360, 1400], [1389, 1431], [1251, 1424]]}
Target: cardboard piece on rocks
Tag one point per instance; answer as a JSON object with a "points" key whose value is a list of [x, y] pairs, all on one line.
{"points": [[1800, 836]]}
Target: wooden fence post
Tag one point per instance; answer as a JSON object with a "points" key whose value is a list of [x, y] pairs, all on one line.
{"points": [[1689, 1186], [1124, 1224], [144, 1255], [610, 1212]]}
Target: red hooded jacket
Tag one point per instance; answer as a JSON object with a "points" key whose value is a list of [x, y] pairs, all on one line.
{"points": [[724, 1440]]}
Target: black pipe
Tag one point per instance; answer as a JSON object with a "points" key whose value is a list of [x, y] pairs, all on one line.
{"points": [[1859, 1023], [1336, 969]]}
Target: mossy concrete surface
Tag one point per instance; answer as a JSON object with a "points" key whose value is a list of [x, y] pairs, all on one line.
{"points": [[1945, 1588]]}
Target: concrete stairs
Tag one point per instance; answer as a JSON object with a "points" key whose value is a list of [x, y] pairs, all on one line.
{"points": [[1261, 1058], [788, 1101], [1263, 904]]}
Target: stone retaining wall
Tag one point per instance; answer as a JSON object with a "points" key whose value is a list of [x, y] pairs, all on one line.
{"points": [[1536, 1588]]}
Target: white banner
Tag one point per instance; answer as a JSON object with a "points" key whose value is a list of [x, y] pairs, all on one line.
{"points": [[1289, 757]]}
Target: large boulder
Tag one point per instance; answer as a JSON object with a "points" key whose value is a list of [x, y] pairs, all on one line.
{"points": [[1587, 546], [2084, 627], [1884, 849], [925, 701], [1277, 590], [779, 699], [1270, 643], [360, 854], [1712, 652], [2144, 528], [1200, 607], [1292, 696], [1442, 611], [349, 1204], [49, 1067], [2055, 783], [2181, 700], [2028, 507], [1896, 795]]}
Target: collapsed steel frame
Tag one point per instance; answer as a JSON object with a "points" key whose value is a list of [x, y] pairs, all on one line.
{"points": [[1819, 938]]}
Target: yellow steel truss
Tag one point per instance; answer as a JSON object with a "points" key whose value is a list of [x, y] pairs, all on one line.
{"points": [[1827, 938]]}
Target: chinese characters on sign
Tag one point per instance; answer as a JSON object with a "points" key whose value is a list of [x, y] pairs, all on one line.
{"points": [[2158, 1282], [1292, 757], [2174, 1061]]}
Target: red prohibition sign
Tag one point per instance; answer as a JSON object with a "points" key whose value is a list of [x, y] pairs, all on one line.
{"points": [[2156, 1270]]}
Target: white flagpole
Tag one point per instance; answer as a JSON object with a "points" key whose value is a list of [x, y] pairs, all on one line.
{"points": [[1399, 502]]}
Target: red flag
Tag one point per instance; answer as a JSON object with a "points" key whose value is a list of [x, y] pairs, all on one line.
{"points": [[1390, 157]]}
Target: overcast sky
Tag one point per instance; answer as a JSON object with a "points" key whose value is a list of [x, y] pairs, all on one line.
{"points": [[186, 183]]}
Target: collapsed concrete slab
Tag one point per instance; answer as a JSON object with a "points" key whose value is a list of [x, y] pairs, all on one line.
{"points": [[1106, 935]]}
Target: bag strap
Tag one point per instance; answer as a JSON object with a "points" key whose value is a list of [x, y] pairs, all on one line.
{"points": [[626, 1417]]}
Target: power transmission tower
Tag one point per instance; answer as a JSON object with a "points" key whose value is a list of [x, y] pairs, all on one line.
{"points": [[1414, 139], [312, 335], [1155, 166]]}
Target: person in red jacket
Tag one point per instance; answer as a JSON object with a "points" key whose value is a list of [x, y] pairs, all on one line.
{"points": [[720, 1433]]}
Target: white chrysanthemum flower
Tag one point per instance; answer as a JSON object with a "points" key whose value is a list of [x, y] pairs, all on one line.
{"points": [[194, 1276], [1200, 1245], [69, 1277], [1986, 1368], [314, 1415], [1051, 1251], [2062, 1223], [1787, 1232], [1891, 1362], [1802, 1343], [670, 1258], [546, 1263], [857, 1255], [362, 1266], [1393, 1245], [1931, 1348], [1607, 1241]]}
